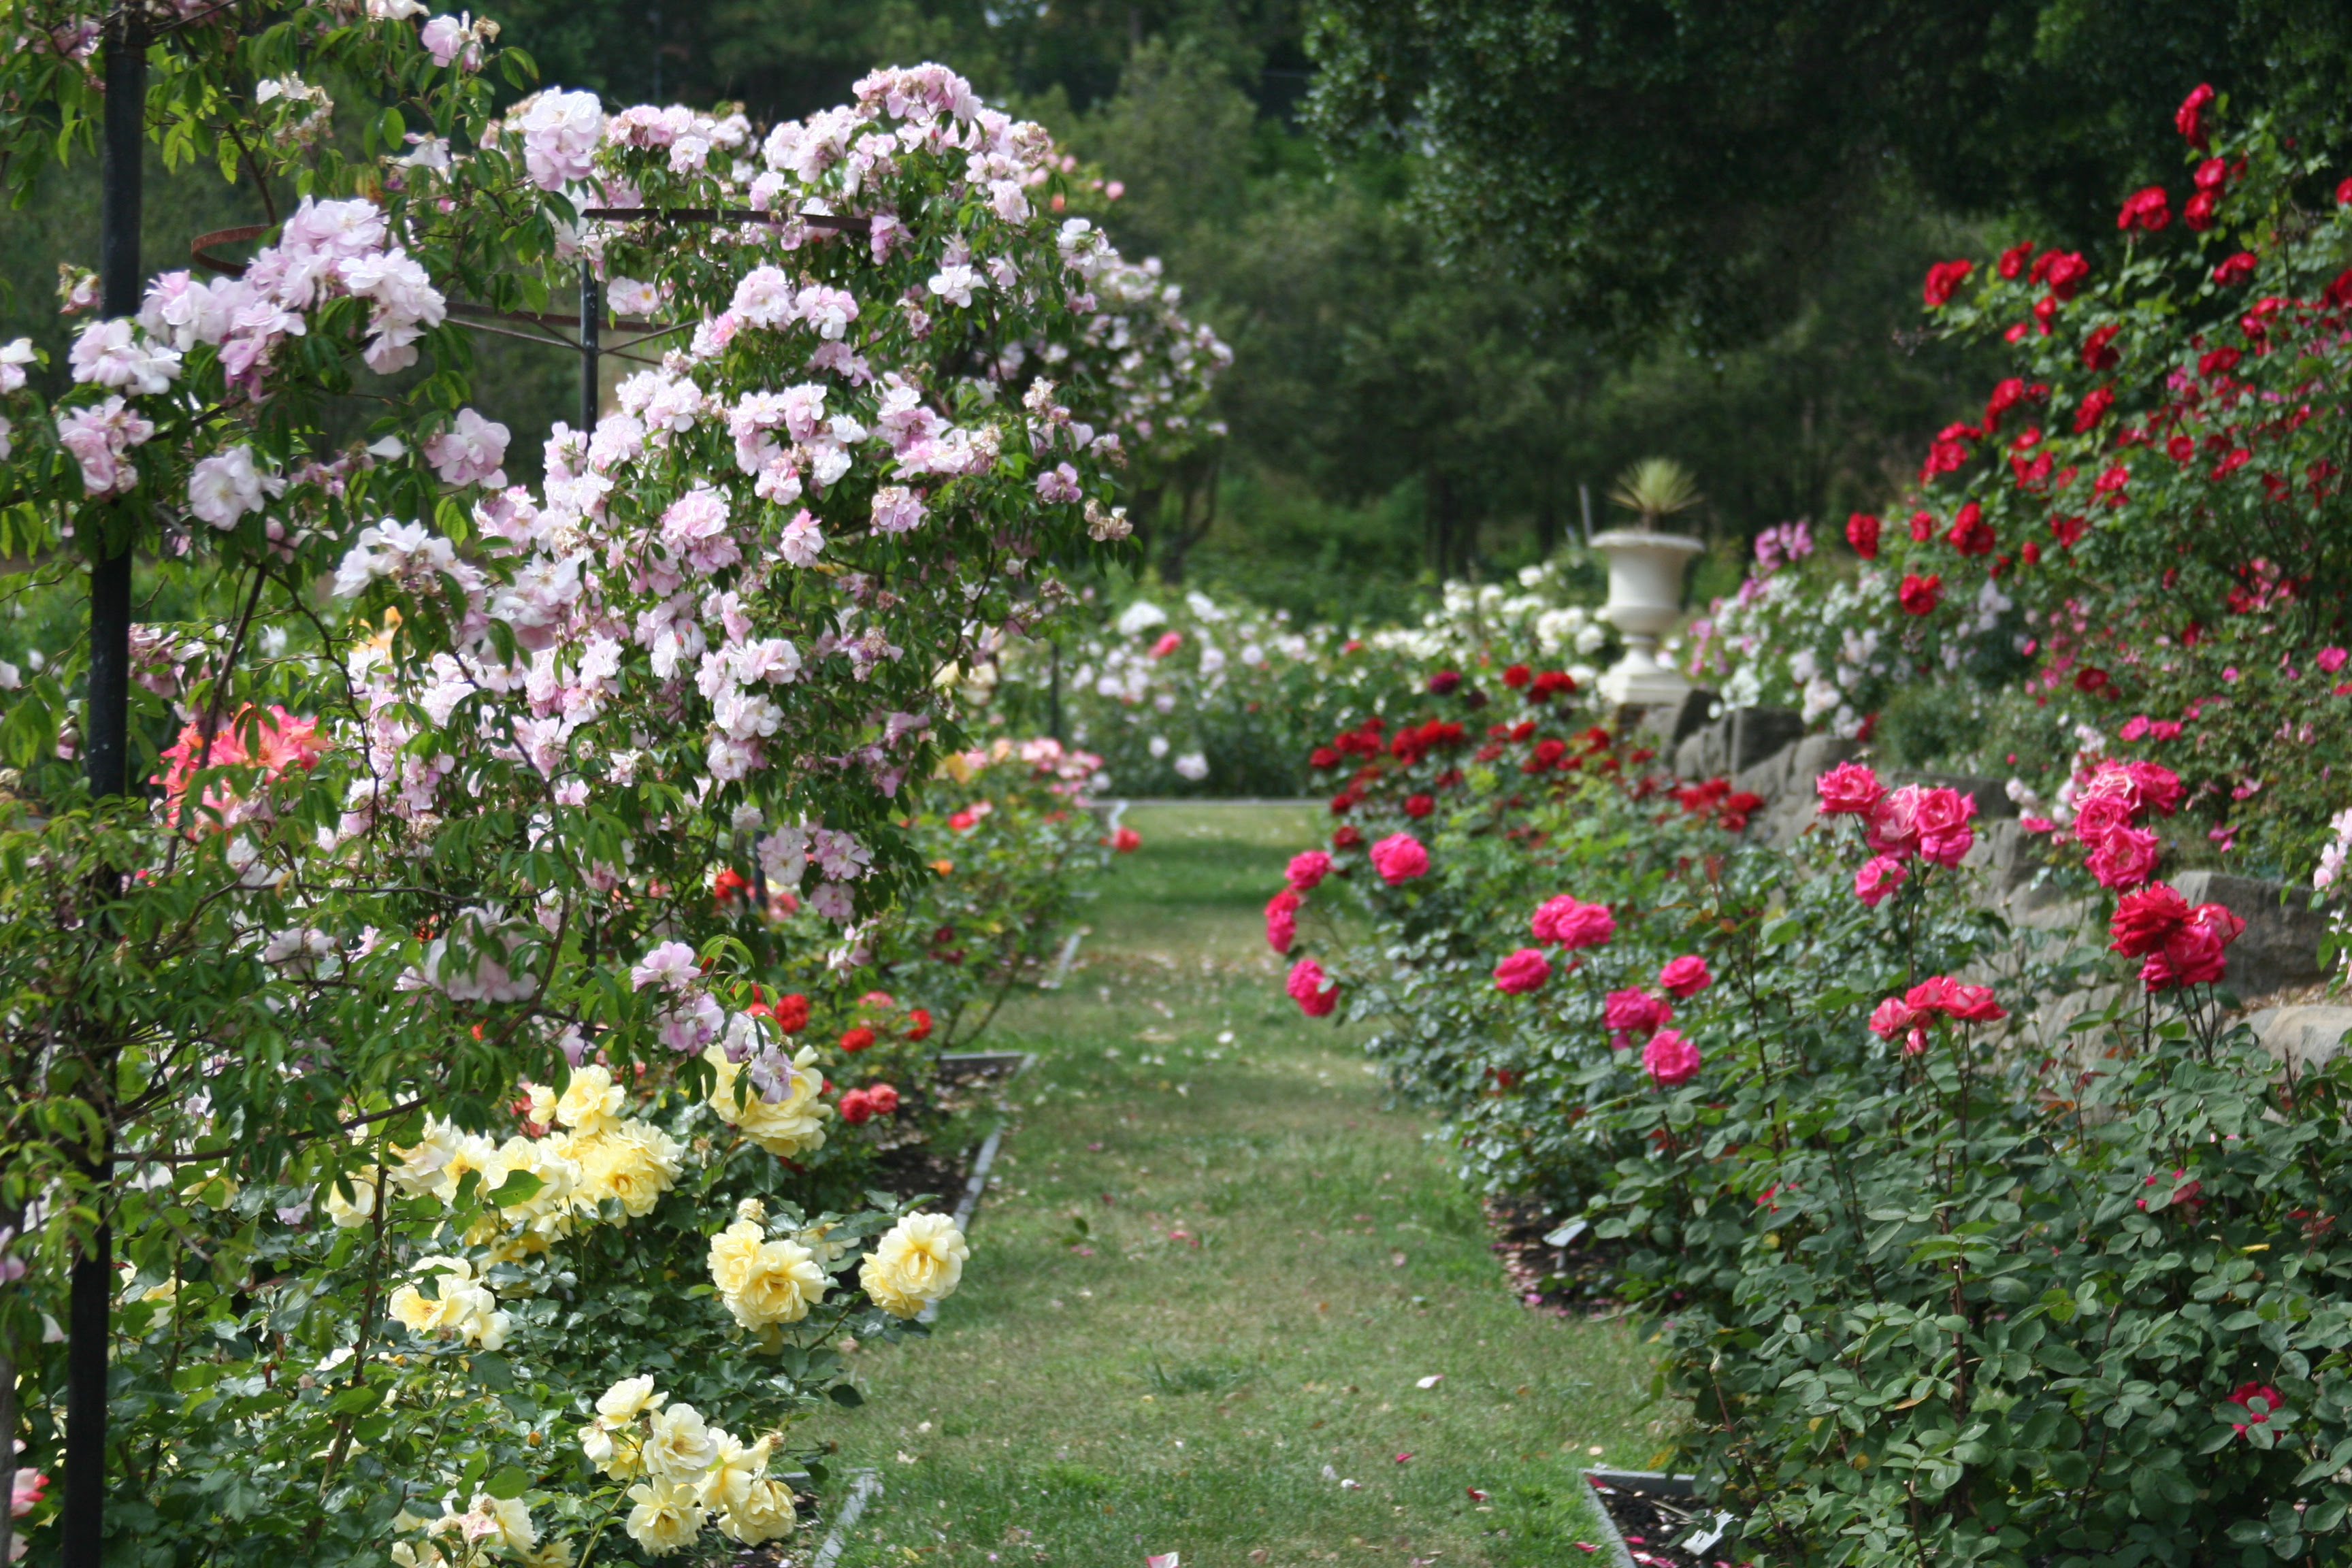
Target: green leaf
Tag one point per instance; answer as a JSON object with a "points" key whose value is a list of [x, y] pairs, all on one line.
{"points": [[507, 1484], [846, 1395], [520, 1187]]}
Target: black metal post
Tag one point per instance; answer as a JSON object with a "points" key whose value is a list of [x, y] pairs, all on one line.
{"points": [[591, 313], [106, 724]]}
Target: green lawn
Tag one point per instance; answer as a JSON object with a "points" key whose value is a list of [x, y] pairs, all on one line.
{"points": [[1208, 1278]]}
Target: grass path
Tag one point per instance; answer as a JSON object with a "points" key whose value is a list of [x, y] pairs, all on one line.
{"points": [[1208, 1279]]}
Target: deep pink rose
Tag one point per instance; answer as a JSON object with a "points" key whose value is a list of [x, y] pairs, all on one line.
{"points": [[1315, 995], [1400, 857], [1967, 1004], [1945, 835], [1282, 921], [1545, 923], [1894, 823], [1894, 1016], [1307, 869], [2100, 814], [2330, 659], [1586, 925], [1848, 789], [1625, 1013], [1670, 1059], [1524, 970], [2124, 857], [1685, 976], [2157, 785], [1879, 876]]}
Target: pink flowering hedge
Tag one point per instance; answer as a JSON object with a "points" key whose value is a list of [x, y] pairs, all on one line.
{"points": [[1934, 1288]]}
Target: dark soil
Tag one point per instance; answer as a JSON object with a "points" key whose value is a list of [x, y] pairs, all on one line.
{"points": [[1649, 1521], [912, 1169], [1581, 1278]]}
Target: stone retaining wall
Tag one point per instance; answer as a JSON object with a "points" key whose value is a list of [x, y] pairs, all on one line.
{"points": [[1765, 750]]}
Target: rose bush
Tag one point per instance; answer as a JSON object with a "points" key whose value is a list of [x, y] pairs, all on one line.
{"points": [[454, 790]]}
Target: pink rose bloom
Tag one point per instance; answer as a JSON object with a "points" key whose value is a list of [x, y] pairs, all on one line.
{"points": [[2124, 859], [2158, 786], [2037, 825], [1670, 1059], [1314, 995], [1967, 1004], [1894, 823], [2099, 815], [1308, 869], [2331, 660], [1400, 857], [1945, 835], [1169, 643], [1586, 925], [1686, 976], [1545, 925], [1848, 789], [1894, 1016], [1282, 921], [1879, 876], [1524, 970], [1625, 1013]]}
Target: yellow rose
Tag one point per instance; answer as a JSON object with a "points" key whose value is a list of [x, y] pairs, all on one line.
{"points": [[359, 1208], [680, 1447], [591, 1102], [628, 1399], [634, 1162], [427, 1166], [763, 1282], [667, 1517], [787, 1129], [539, 1104], [461, 1306], [764, 1514], [919, 1261]]}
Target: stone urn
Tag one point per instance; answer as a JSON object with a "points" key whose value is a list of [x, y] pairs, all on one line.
{"points": [[1645, 599]]}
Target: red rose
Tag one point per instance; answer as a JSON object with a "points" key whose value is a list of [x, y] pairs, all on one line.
{"points": [[2090, 678], [2095, 404], [2144, 918], [1942, 278], [2199, 214], [1917, 595], [856, 1107], [2339, 293], [2213, 175], [856, 1039], [1419, 806], [918, 1024], [1348, 837], [2149, 209], [1862, 532], [2237, 270], [2032, 553], [1630, 1014], [2194, 953], [2062, 271], [2158, 786], [2190, 118], [791, 1012], [1970, 536], [2014, 261], [2096, 353], [2344, 193], [883, 1097], [1126, 840], [1445, 681], [1922, 527], [2067, 530], [1323, 757], [2005, 396], [1517, 675]]}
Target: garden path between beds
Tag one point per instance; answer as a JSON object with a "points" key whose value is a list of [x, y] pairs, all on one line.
{"points": [[1210, 1275]]}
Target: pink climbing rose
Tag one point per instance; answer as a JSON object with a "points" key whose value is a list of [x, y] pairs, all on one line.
{"points": [[1282, 921]]}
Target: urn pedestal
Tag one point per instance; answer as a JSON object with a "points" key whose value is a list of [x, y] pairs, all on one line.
{"points": [[1645, 594]]}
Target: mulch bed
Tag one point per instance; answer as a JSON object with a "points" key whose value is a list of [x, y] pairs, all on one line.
{"points": [[1579, 1278], [1649, 1521]]}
